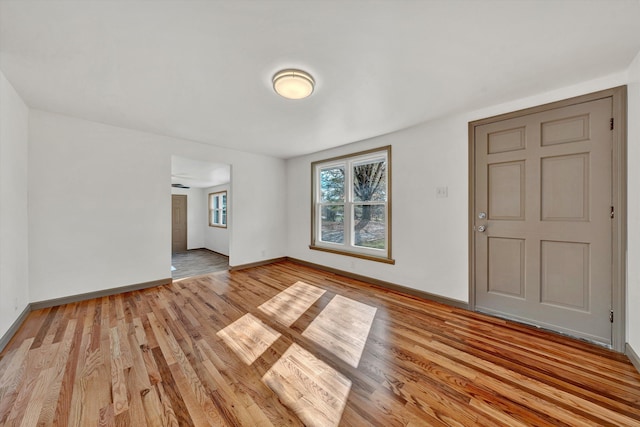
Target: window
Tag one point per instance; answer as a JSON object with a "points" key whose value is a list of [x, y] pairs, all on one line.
{"points": [[218, 209], [351, 213]]}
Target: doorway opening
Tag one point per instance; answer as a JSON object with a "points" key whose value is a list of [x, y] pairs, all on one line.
{"points": [[198, 248]]}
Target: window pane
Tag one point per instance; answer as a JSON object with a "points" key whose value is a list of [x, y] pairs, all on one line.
{"points": [[332, 225], [332, 184], [370, 181], [369, 226], [218, 209]]}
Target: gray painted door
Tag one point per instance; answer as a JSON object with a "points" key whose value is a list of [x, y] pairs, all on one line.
{"points": [[544, 182], [178, 223]]}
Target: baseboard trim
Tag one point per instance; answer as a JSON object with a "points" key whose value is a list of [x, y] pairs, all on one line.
{"points": [[387, 285], [633, 356], [6, 338], [14, 327], [98, 294], [256, 264]]}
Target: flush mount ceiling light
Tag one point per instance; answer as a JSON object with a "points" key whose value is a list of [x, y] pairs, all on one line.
{"points": [[293, 84]]}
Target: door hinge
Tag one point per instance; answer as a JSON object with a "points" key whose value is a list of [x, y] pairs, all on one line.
{"points": [[613, 212], [611, 316], [611, 124]]}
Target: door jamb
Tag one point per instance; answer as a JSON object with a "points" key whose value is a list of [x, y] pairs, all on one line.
{"points": [[618, 96]]}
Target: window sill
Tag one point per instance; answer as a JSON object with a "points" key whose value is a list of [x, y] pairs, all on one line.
{"points": [[354, 254]]}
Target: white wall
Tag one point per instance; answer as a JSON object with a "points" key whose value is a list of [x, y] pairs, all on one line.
{"points": [[100, 208], [14, 273], [196, 218], [216, 238], [430, 235], [633, 207], [89, 229]]}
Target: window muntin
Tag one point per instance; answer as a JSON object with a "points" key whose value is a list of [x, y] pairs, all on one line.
{"points": [[351, 205], [218, 209]]}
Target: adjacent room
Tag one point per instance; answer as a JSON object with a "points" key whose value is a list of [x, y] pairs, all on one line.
{"points": [[199, 225], [320, 213]]}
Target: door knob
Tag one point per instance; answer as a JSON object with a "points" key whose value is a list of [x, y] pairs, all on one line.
{"points": [[481, 228]]}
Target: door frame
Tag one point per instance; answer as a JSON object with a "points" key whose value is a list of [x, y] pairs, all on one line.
{"points": [[618, 96]]}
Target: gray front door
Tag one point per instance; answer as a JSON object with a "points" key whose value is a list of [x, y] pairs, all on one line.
{"points": [[543, 230]]}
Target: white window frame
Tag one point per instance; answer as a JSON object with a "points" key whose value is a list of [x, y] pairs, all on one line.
{"points": [[348, 247], [223, 211]]}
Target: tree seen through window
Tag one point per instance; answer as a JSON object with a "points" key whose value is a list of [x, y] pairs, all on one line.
{"points": [[351, 202]]}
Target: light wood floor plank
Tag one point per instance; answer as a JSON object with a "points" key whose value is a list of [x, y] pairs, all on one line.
{"points": [[290, 304], [52, 391], [269, 346], [342, 328]]}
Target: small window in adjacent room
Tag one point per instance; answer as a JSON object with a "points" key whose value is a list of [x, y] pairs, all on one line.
{"points": [[351, 208], [218, 209]]}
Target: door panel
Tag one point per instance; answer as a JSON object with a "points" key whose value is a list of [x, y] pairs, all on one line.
{"points": [[565, 188], [506, 190], [507, 140], [543, 192], [506, 267], [565, 274], [178, 223], [562, 131]]}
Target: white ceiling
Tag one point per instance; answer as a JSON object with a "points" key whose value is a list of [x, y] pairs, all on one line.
{"points": [[198, 174], [201, 70]]}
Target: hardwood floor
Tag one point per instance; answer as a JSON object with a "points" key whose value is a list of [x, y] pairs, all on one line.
{"points": [[224, 349], [196, 262]]}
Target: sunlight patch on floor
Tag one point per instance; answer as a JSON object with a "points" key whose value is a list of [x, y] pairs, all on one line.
{"points": [[315, 391], [342, 328], [290, 304], [248, 337]]}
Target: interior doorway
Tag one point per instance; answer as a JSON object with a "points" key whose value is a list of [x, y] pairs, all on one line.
{"points": [[207, 247]]}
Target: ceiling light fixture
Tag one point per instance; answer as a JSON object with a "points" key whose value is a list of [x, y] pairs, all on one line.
{"points": [[293, 84]]}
